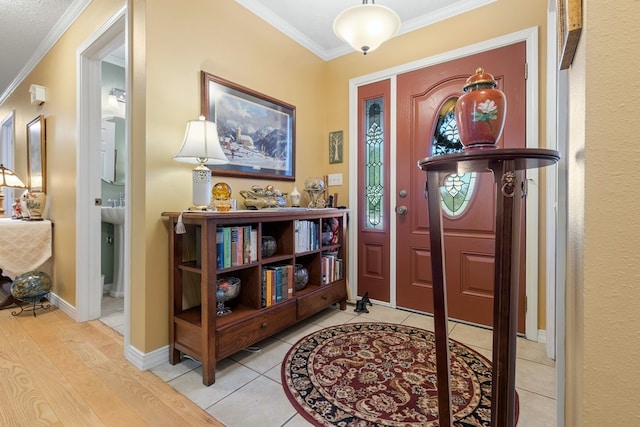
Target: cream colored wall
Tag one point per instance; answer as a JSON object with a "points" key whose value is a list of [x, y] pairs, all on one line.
{"points": [[170, 44], [57, 72], [226, 40], [475, 26], [603, 292]]}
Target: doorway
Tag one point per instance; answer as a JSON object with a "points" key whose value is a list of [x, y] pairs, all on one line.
{"points": [[91, 54], [7, 142], [392, 189], [426, 127]]}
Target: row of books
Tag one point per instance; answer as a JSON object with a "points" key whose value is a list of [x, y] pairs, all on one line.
{"points": [[236, 245], [306, 235], [277, 284], [332, 268]]}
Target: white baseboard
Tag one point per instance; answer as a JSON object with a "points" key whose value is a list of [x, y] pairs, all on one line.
{"points": [[146, 361], [542, 335], [64, 306]]}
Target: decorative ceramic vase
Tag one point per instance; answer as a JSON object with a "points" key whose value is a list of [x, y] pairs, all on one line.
{"points": [[36, 202], [294, 197], [480, 112]]}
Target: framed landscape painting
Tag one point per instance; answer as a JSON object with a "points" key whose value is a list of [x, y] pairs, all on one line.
{"points": [[257, 132]]}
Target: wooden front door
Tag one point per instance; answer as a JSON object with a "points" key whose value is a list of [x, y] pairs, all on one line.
{"points": [[426, 101]]}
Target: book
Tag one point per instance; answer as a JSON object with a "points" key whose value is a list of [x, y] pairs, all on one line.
{"points": [[269, 287], [246, 250], [263, 288], [234, 246], [219, 248], [254, 245], [289, 277], [226, 241]]}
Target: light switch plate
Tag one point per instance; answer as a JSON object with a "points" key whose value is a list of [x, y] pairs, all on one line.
{"points": [[335, 179]]}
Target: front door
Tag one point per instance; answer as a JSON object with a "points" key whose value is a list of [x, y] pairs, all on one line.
{"points": [[426, 126]]}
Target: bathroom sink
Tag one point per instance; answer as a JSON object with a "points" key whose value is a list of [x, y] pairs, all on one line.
{"points": [[116, 217], [113, 215]]}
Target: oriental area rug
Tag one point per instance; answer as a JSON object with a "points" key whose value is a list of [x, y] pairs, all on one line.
{"points": [[381, 374]]}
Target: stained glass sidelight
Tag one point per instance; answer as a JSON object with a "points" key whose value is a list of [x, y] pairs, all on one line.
{"points": [[373, 163], [458, 188]]}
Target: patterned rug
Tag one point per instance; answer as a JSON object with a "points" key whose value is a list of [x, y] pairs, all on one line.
{"points": [[380, 374]]}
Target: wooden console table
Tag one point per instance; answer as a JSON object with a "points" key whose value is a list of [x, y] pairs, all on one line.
{"points": [[26, 245], [507, 166]]}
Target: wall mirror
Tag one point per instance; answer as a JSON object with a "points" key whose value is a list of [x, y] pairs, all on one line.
{"points": [[36, 154]]}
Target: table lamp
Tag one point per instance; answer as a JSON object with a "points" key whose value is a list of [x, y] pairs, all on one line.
{"points": [[10, 180], [201, 145]]}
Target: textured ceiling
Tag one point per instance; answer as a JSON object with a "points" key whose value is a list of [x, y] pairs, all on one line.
{"points": [[29, 28], [24, 25]]}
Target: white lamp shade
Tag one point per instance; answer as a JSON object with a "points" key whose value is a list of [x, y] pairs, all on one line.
{"points": [[365, 27], [201, 144]]}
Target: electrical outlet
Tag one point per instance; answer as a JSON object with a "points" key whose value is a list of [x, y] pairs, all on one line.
{"points": [[335, 179]]}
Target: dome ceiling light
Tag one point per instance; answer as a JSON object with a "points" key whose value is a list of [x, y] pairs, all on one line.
{"points": [[365, 27]]}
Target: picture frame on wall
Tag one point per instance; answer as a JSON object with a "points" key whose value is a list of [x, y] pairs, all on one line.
{"points": [[36, 155], [569, 15], [256, 131], [336, 142]]}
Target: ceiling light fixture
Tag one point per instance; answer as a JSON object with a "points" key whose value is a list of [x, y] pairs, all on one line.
{"points": [[365, 27]]}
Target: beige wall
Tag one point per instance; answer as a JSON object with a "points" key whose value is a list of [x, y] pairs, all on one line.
{"points": [[171, 46], [57, 72], [603, 380], [171, 42], [226, 40]]}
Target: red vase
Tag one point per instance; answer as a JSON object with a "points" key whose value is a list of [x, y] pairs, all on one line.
{"points": [[480, 112]]}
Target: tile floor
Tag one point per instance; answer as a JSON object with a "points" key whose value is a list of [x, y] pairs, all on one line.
{"points": [[251, 378], [112, 313]]}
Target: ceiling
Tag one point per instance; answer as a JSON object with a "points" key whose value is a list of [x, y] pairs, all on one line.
{"points": [[29, 28]]}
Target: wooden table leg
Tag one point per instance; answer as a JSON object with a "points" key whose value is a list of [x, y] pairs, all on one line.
{"points": [[505, 304], [440, 316]]}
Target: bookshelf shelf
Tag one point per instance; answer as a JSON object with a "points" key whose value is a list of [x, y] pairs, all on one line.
{"points": [[201, 256]]}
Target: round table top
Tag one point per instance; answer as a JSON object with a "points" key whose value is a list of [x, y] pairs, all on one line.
{"points": [[487, 159]]}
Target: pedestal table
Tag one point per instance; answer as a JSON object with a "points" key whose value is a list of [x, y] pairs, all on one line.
{"points": [[507, 166]]}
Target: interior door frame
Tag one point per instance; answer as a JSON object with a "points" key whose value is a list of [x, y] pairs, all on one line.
{"points": [[530, 36], [89, 58]]}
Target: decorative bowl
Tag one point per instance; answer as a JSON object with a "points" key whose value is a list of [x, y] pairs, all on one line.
{"points": [[227, 288]]}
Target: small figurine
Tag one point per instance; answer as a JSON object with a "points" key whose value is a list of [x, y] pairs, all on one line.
{"points": [[17, 209], [24, 207], [361, 306]]}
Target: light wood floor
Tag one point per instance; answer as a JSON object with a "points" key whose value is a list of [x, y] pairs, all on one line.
{"points": [[54, 371]]}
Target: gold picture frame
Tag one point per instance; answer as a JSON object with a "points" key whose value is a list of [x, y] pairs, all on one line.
{"points": [[37, 155], [569, 15]]}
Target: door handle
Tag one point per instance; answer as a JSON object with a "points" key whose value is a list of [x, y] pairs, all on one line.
{"points": [[401, 210]]}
